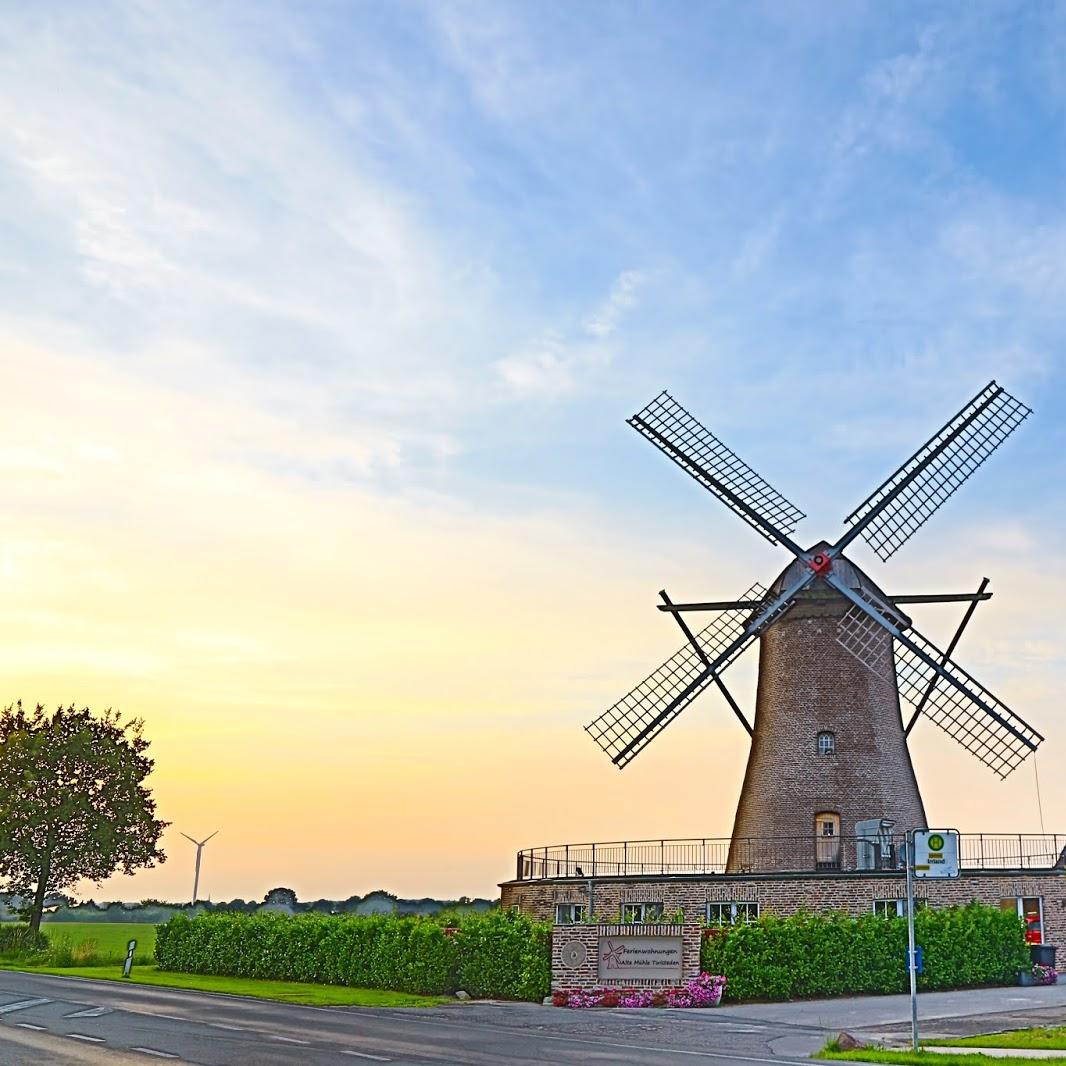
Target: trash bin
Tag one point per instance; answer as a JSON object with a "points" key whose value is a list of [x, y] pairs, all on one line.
{"points": [[1042, 954]]}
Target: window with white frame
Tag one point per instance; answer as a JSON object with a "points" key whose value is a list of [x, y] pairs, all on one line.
{"points": [[895, 908], [637, 913], [1031, 911], [569, 913], [890, 908], [827, 743], [731, 913]]}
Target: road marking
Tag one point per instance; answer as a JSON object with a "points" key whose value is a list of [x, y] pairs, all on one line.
{"points": [[23, 1004], [288, 1039], [234, 1028], [26, 1025], [152, 1051], [91, 1012], [365, 1055], [82, 1036]]}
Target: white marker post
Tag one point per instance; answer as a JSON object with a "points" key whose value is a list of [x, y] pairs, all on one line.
{"points": [[930, 853]]}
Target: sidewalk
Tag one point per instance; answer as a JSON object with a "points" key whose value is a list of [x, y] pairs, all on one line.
{"points": [[865, 1012]]}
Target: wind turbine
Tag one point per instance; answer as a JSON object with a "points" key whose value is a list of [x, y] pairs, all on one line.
{"points": [[199, 851]]}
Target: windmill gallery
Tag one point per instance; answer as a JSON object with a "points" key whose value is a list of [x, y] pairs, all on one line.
{"points": [[829, 791]]}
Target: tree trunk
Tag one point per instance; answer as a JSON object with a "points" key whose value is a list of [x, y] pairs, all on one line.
{"points": [[42, 887]]}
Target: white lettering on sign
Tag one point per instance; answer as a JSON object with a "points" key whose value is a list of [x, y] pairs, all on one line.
{"points": [[640, 958]]}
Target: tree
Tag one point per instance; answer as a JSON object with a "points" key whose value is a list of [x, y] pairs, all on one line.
{"points": [[284, 897], [73, 803]]}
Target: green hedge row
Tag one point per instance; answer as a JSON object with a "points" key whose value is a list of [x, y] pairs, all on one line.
{"points": [[811, 955], [494, 955]]}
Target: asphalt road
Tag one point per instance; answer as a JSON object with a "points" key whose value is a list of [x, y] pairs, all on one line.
{"points": [[63, 1021]]}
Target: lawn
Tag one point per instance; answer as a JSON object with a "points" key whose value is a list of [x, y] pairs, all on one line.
{"points": [[926, 1058], [285, 991], [1031, 1039], [110, 938]]}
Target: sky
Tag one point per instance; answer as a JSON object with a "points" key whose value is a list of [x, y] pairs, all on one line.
{"points": [[319, 326]]}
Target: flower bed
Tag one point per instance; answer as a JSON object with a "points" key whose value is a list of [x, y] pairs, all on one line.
{"points": [[703, 991], [1044, 975]]}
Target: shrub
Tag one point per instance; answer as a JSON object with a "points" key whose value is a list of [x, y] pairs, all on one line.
{"points": [[20, 940], [489, 955], [809, 955]]}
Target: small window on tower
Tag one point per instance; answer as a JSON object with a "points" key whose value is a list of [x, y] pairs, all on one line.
{"points": [[827, 743]]}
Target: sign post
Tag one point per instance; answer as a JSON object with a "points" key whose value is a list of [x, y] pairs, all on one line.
{"points": [[930, 853], [131, 947]]}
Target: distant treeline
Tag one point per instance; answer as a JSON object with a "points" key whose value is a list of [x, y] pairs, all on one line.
{"points": [[278, 900]]}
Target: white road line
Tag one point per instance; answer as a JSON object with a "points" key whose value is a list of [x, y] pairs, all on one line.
{"points": [[288, 1039], [82, 1036], [26, 1025], [91, 1012], [234, 1028], [152, 1051], [23, 1004], [364, 1055]]}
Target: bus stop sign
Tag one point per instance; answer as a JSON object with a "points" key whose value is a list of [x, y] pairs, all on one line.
{"points": [[936, 853]]}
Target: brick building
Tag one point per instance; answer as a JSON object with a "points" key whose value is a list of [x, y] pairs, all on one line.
{"points": [[642, 881]]}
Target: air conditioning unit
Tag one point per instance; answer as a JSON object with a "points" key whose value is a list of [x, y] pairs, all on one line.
{"points": [[874, 848]]}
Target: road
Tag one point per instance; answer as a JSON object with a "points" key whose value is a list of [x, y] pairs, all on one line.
{"points": [[67, 1021]]}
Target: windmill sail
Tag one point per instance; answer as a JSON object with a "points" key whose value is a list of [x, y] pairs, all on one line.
{"points": [[894, 511], [967, 712], [958, 703], [638, 717], [703, 456]]}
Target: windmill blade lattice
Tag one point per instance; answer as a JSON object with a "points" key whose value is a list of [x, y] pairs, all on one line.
{"points": [[703, 456], [638, 717], [893, 512], [1001, 740], [966, 710]]}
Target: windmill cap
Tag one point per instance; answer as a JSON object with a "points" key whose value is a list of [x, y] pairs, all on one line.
{"points": [[844, 570]]}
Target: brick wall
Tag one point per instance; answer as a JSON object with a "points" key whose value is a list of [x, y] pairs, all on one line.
{"points": [[785, 894]]}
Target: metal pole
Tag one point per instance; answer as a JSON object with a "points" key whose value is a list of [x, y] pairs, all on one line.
{"points": [[196, 878], [912, 960]]}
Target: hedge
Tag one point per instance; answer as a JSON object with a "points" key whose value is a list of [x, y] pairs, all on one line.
{"points": [[495, 955], [811, 955]]}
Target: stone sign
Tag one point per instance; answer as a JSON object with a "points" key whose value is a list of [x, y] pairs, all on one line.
{"points": [[640, 958]]}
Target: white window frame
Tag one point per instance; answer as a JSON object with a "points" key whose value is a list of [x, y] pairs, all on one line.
{"points": [[830, 747], [734, 917], [1019, 902], [575, 912], [890, 908], [637, 913]]}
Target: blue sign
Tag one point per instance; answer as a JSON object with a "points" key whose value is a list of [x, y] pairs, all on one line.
{"points": [[918, 960]]}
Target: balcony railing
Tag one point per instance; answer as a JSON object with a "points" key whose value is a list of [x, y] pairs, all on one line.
{"points": [[753, 855]]}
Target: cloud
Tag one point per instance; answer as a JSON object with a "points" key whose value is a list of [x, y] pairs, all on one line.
{"points": [[554, 365], [607, 317]]}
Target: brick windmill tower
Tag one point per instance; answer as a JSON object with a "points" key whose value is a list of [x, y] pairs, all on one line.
{"points": [[829, 772]]}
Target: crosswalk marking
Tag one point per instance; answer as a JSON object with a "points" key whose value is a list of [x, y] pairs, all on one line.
{"points": [[23, 1004]]}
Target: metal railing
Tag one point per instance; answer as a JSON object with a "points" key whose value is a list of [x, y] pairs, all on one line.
{"points": [[629, 858]]}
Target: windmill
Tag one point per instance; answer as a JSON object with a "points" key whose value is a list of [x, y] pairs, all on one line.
{"points": [[829, 756]]}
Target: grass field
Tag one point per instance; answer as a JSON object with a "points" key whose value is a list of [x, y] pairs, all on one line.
{"points": [[110, 939], [927, 1058], [284, 991], [1031, 1039]]}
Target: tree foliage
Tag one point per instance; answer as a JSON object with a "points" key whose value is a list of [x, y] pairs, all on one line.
{"points": [[73, 803]]}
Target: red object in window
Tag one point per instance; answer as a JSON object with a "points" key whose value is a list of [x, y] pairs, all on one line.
{"points": [[1032, 936]]}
